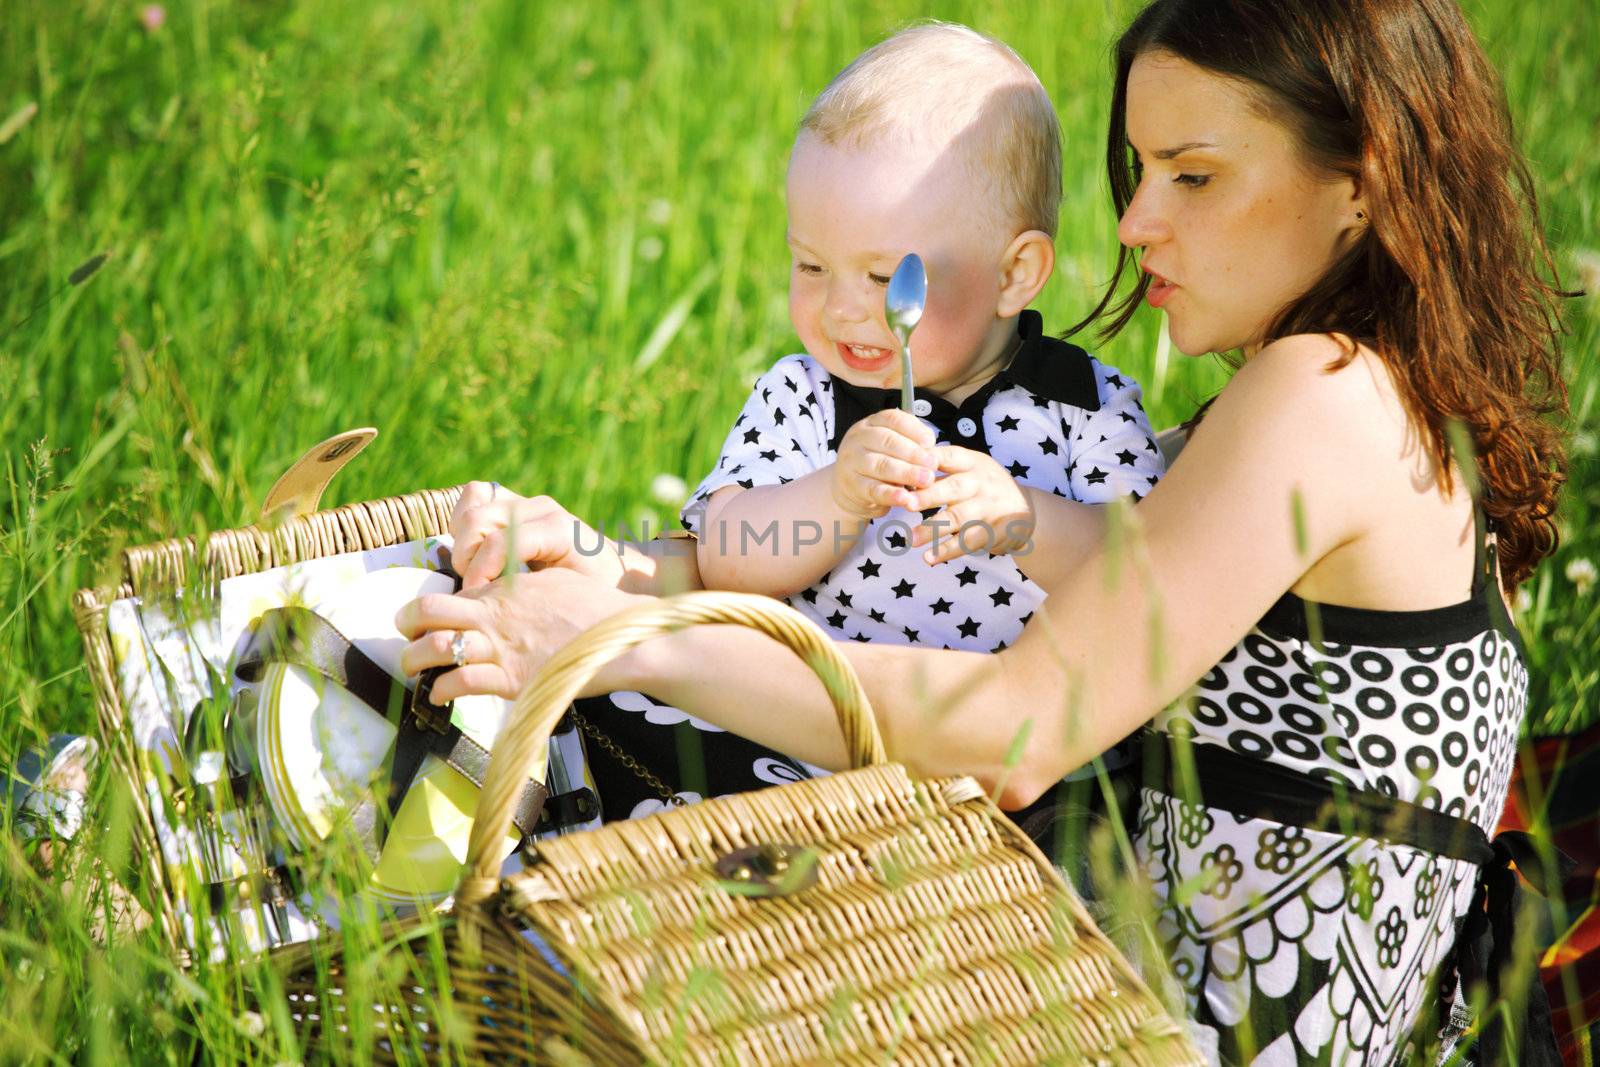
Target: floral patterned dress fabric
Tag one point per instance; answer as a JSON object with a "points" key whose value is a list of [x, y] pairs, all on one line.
{"points": [[1310, 946]]}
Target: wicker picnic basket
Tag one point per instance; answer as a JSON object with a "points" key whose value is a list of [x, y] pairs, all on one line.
{"points": [[866, 917]]}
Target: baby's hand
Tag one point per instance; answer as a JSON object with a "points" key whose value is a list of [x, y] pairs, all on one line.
{"points": [[879, 457], [982, 508]]}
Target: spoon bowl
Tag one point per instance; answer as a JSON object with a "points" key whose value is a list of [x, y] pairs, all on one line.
{"points": [[902, 307]]}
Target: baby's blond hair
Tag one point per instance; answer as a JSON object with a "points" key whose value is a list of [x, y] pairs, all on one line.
{"points": [[941, 76]]}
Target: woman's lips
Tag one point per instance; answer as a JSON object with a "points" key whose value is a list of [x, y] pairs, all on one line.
{"points": [[1159, 291], [866, 358]]}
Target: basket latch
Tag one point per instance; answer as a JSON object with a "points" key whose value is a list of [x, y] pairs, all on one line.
{"points": [[769, 870]]}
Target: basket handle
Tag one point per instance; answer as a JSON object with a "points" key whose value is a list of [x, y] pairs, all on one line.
{"points": [[300, 488], [528, 727]]}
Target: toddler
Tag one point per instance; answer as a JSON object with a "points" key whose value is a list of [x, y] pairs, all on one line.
{"points": [[939, 141]]}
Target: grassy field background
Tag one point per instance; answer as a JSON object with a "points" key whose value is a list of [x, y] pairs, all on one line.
{"points": [[537, 242]]}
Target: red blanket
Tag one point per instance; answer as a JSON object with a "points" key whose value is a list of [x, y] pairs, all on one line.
{"points": [[1561, 777]]}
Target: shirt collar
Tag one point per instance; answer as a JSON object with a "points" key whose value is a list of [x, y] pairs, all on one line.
{"points": [[1048, 367]]}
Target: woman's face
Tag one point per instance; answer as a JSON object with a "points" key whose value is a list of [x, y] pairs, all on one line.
{"points": [[1231, 222]]}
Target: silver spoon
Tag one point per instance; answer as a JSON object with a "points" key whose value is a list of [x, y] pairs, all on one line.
{"points": [[902, 306]]}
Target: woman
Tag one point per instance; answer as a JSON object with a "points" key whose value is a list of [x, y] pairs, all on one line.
{"points": [[1329, 188]]}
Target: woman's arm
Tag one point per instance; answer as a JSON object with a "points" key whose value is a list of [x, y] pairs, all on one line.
{"points": [[1064, 531], [662, 567], [491, 525], [1148, 612]]}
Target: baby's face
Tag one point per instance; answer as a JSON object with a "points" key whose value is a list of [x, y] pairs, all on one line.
{"points": [[853, 213]]}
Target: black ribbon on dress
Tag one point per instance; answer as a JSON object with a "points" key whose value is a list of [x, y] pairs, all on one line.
{"points": [[1487, 938]]}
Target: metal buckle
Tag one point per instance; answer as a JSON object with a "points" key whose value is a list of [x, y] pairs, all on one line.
{"points": [[769, 870], [430, 716]]}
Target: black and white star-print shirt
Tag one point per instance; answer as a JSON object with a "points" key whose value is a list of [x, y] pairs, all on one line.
{"points": [[1055, 417]]}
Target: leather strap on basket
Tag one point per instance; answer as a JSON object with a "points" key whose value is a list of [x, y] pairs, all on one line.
{"points": [[301, 637], [540, 707]]}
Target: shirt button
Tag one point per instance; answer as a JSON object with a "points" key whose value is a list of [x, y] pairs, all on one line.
{"points": [[967, 428], [921, 408]]}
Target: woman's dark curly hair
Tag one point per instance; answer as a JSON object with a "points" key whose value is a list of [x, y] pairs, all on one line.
{"points": [[1452, 284]]}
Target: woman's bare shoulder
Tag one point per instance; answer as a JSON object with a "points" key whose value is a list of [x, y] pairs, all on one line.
{"points": [[1323, 359], [1296, 377], [1285, 383], [1303, 419], [1329, 391]]}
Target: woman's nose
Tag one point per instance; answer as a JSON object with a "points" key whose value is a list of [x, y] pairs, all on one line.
{"points": [[1143, 223]]}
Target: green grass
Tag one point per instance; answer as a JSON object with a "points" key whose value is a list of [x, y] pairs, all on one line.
{"points": [[537, 242]]}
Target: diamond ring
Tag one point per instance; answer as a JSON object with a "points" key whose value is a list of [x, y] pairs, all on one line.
{"points": [[458, 649]]}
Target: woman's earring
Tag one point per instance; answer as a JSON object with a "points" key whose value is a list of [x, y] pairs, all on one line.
{"points": [[1361, 217]]}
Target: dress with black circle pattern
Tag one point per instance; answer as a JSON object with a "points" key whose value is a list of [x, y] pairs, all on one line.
{"points": [[1301, 945]]}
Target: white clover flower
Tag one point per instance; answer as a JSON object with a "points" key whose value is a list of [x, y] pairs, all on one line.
{"points": [[1587, 260], [650, 249], [668, 489], [659, 211], [1522, 603], [1583, 443], [252, 1023], [1581, 573]]}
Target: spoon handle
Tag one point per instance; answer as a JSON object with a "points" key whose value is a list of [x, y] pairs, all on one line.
{"points": [[907, 394]]}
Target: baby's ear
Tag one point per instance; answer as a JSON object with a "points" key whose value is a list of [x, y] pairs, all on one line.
{"points": [[1025, 266]]}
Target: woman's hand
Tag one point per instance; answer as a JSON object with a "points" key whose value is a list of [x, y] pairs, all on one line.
{"points": [[982, 508], [504, 632], [492, 525], [879, 457]]}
